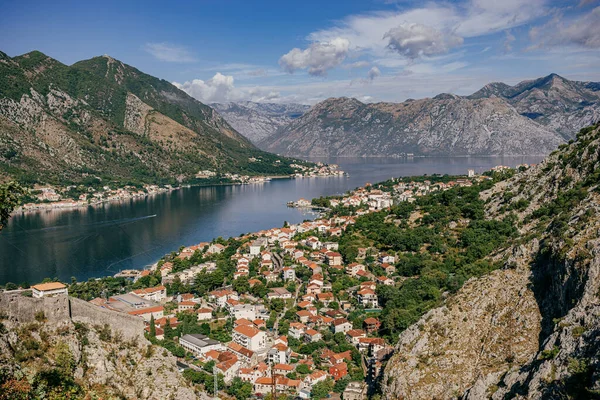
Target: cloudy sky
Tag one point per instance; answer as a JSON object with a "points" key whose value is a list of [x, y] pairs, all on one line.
{"points": [[274, 51]]}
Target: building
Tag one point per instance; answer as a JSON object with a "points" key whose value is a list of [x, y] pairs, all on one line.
{"points": [[341, 325], [355, 391], [338, 371], [204, 314], [371, 324], [157, 293], [249, 337], [148, 312], [49, 289], [199, 344]]}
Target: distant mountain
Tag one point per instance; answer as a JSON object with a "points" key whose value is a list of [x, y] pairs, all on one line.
{"points": [[531, 117], [102, 118], [258, 121], [560, 104], [444, 125]]}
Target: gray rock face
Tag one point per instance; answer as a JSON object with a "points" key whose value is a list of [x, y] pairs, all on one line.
{"points": [[529, 118], [258, 121], [445, 125], [555, 102]]}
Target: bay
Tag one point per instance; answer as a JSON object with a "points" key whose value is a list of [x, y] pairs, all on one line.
{"points": [[104, 239]]}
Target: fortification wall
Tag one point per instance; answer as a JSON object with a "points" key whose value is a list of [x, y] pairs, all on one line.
{"points": [[22, 309], [64, 309], [130, 327]]}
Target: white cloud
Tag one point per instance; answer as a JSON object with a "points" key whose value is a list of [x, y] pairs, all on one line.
{"points": [[373, 73], [317, 58], [583, 31], [221, 89], [169, 52], [414, 40]]}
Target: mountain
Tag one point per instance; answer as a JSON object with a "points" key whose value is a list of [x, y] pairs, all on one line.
{"points": [[443, 125], [560, 104], [532, 117], [258, 121], [102, 118], [530, 329]]}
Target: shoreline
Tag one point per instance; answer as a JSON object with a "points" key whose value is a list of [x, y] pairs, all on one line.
{"points": [[71, 204]]}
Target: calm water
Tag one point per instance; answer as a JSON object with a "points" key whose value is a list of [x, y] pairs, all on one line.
{"points": [[101, 240]]}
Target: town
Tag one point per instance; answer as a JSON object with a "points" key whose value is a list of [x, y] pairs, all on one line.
{"points": [[277, 312]]}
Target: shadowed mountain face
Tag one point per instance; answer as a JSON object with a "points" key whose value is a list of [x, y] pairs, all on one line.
{"points": [[532, 117], [258, 121], [101, 117]]}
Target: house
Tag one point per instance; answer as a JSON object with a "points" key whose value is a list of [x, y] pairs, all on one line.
{"points": [[246, 356], [204, 314], [371, 345], [199, 344], [282, 369], [314, 378], [280, 353], [389, 269], [341, 325], [325, 298], [353, 335], [148, 312], [310, 335], [279, 293], [303, 315], [220, 297], [215, 248], [49, 289], [288, 274], [333, 258], [263, 385], [250, 337], [185, 305], [355, 391], [287, 385], [241, 310], [228, 365], [354, 268], [371, 324], [157, 293], [385, 280], [367, 298], [296, 330], [338, 371], [386, 258]]}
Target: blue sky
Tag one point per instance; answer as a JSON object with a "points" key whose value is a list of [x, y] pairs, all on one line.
{"points": [[379, 50]]}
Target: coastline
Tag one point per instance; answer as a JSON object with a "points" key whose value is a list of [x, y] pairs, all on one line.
{"points": [[70, 204]]}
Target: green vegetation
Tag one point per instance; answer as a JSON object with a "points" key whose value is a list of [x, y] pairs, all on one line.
{"points": [[10, 198]]}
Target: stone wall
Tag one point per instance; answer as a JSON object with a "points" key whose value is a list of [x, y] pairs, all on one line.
{"points": [[63, 309], [22, 309], [129, 326]]}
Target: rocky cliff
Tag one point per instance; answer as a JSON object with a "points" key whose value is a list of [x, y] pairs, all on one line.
{"points": [[57, 347], [530, 330], [532, 117], [258, 121]]}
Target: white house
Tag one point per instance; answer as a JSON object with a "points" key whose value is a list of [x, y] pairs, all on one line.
{"points": [[49, 289], [204, 314], [148, 312], [249, 337], [157, 293], [199, 344]]}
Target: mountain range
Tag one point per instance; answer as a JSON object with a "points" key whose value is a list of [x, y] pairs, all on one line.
{"points": [[258, 121], [530, 118], [101, 118]]}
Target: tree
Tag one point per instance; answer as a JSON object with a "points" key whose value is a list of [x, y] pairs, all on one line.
{"points": [[152, 327], [303, 369], [168, 331], [320, 390], [10, 198]]}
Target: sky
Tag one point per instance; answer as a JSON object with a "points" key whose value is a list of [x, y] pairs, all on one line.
{"points": [[307, 51]]}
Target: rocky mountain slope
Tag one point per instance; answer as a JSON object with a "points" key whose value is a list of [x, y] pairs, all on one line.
{"points": [[258, 121], [102, 118], [444, 125], [564, 106], [532, 117], [530, 330]]}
